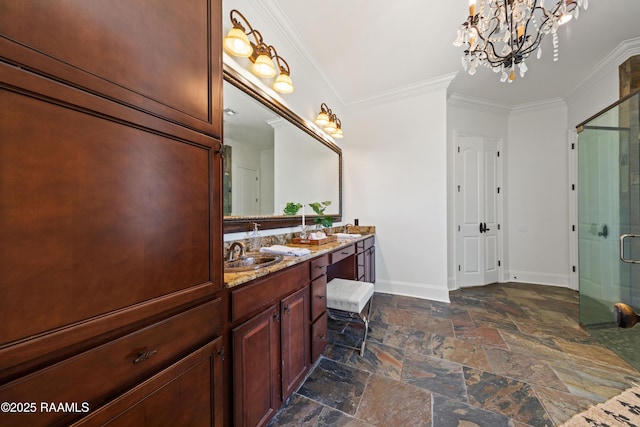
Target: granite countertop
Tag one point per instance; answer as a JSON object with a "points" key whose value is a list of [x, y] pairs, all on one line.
{"points": [[234, 279]]}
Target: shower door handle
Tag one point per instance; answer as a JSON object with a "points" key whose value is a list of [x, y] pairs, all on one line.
{"points": [[622, 258], [605, 231]]}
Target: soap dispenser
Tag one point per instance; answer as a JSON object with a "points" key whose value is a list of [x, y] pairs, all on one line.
{"points": [[254, 240]]}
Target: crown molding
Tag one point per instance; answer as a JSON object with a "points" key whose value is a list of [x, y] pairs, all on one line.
{"points": [[405, 92], [457, 100], [543, 105], [609, 63], [272, 13]]}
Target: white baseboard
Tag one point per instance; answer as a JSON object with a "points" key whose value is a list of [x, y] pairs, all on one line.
{"points": [[416, 290], [538, 278]]}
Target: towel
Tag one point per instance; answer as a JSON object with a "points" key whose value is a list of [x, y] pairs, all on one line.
{"points": [[317, 236], [347, 235], [285, 250]]}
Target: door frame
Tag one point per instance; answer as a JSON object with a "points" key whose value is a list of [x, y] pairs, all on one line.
{"points": [[501, 233], [574, 266]]}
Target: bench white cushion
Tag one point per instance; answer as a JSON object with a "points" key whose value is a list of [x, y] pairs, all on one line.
{"points": [[348, 295]]}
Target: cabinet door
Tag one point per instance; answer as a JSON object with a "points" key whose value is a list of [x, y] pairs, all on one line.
{"points": [[158, 57], [256, 351], [295, 340], [361, 262], [369, 265], [116, 215], [188, 393]]}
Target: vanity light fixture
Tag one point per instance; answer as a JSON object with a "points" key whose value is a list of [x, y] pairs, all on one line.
{"points": [[338, 132], [329, 122], [262, 56]]}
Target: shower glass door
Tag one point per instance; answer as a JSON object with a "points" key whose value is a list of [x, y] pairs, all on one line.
{"points": [[609, 207]]}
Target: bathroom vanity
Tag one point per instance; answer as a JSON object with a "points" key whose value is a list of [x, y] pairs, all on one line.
{"points": [[278, 323]]}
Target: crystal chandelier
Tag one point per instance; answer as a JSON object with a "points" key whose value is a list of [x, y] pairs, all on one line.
{"points": [[501, 34]]}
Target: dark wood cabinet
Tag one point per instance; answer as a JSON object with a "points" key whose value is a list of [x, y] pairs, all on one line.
{"points": [[111, 213], [256, 369], [278, 327], [187, 393], [366, 267], [319, 335], [160, 58], [294, 340], [270, 349]]}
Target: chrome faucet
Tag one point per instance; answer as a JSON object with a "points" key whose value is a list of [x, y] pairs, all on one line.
{"points": [[232, 250]]}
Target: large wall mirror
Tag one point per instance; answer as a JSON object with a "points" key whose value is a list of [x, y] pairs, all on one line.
{"points": [[273, 157]]}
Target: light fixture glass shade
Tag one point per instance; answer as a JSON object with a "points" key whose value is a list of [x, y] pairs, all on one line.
{"points": [[263, 67], [322, 119], [237, 43], [338, 134], [283, 83], [330, 127], [565, 18]]}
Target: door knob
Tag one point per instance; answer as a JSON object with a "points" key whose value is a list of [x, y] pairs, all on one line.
{"points": [[605, 231], [485, 228]]}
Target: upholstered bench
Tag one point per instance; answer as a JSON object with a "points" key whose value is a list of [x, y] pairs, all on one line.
{"points": [[348, 300]]}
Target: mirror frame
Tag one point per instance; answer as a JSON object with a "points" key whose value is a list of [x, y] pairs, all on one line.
{"points": [[234, 224]]}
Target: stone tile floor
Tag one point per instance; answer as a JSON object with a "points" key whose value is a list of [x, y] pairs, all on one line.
{"points": [[500, 355]]}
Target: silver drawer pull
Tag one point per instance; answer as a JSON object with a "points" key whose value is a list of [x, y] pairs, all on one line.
{"points": [[144, 356], [622, 258]]}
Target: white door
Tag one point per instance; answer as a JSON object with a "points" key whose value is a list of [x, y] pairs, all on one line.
{"points": [[247, 202], [477, 210]]}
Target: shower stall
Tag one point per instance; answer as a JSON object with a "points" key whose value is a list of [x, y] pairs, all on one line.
{"points": [[609, 223]]}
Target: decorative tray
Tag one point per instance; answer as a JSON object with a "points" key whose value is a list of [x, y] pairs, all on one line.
{"points": [[328, 239]]}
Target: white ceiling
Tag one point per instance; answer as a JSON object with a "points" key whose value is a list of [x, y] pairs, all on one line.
{"points": [[369, 48]]}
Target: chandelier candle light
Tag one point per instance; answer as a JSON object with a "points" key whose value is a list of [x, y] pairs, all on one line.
{"points": [[237, 43], [501, 34]]}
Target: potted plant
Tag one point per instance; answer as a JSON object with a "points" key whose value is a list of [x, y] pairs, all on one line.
{"points": [[292, 208], [321, 220]]}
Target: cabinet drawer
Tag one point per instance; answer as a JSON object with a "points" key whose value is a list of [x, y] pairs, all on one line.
{"points": [[369, 242], [365, 244], [98, 375], [318, 297], [194, 382], [343, 253], [263, 292], [319, 337], [319, 266]]}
